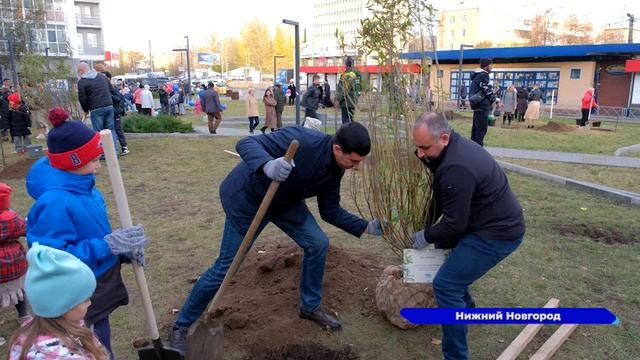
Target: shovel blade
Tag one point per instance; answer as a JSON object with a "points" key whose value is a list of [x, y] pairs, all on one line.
{"points": [[151, 353], [205, 339]]}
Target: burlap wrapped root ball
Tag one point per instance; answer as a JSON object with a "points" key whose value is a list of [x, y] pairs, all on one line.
{"points": [[392, 295]]}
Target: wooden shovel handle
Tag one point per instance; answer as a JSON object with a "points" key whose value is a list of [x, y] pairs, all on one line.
{"points": [[117, 184], [253, 228]]}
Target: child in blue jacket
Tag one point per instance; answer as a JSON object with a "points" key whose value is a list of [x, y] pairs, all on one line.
{"points": [[70, 214]]}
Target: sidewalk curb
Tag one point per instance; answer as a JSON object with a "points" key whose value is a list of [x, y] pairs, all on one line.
{"points": [[623, 196]]}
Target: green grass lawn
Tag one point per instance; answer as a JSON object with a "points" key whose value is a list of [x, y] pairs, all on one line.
{"points": [[617, 177], [582, 141], [172, 185]]}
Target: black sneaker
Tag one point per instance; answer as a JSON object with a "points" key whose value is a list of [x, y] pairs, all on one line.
{"points": [[322, 318], [178, 339], [125, 151]]}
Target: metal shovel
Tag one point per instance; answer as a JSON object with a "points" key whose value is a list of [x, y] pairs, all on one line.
{"points": [[157, 351], [205, 337]]}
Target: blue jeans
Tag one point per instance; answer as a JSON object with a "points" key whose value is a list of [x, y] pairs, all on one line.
{"points": [[307, 235], [469, 261], [102, 330], [104, 118], [347, 114]]}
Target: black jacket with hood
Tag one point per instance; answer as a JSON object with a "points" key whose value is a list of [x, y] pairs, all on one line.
{"points": [[480, 82], [94, 91]]}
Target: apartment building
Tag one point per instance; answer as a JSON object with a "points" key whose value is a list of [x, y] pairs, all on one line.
{"points": [[322, 47], [71, 28]]}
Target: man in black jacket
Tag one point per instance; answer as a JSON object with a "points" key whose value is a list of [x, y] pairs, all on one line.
{"points": [[94, 95], [311, 98], [482, 220], [481, 110]]}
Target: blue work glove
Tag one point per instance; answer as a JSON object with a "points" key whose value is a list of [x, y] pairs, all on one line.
{"points": [[375, 227], [418, 240], [278, 169], [129, 242]]}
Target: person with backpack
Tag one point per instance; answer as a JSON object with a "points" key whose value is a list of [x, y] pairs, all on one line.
{"points": [[347, 91], [481, 100]]}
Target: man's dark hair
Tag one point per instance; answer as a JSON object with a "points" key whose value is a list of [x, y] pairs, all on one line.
{"points": [[141, 86], [349, 61], [210, 85], [107, 74], [316, 77], [353, 137]]}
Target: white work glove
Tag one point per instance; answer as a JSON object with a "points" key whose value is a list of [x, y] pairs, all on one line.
{"points": [[278, 169]]}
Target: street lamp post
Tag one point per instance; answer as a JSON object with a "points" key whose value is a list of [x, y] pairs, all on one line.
{"points": [[462, 46], [186, 50], [631, 21], [188, 66], [296, 26], [46, 54], [274, 66]]}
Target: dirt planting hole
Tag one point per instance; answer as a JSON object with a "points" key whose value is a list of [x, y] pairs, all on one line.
{"points": [[17, 170], [596, 233], [303, 352]]}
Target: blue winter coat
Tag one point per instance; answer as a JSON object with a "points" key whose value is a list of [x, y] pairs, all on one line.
{"points": [[69, 214], [316, 173]]}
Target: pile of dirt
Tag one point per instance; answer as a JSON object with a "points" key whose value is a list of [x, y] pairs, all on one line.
{"points": [[555, 127], [263, 298], [597, 234], [18, 170], [302, 352]]}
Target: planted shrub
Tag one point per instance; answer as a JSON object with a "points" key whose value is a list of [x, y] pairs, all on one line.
{"points": [[136, 123]]}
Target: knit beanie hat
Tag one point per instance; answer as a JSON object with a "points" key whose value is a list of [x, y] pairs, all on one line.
{"points": [[72, 144], [56, 281], [484, 62], [14, 100], [5, 196]]}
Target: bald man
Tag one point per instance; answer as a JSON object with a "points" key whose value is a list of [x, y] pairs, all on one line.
{"points": [[94, 95]]}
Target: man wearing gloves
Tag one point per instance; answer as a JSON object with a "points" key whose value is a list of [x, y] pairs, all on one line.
{"points": [[316, 170], [480, 218], [70, 214]]}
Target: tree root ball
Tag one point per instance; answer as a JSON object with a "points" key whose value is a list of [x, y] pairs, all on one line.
{"points": [[392, 295]]}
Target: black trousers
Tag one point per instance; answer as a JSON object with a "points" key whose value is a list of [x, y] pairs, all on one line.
{"points": [[585, 117], [480, 125]]}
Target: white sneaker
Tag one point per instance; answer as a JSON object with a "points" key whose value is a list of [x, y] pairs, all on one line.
{"points": [[125, 151], [40, 137]]}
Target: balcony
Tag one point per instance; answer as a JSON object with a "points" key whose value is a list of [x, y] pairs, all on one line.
{"points": [[90, 50], [88, 21]]}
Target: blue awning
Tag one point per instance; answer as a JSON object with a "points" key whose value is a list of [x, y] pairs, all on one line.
{"points": [[533, 52]]}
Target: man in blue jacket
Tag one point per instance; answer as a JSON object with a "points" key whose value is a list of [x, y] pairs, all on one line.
{"points": [[482, 109], [316, 170], [481, 219]]}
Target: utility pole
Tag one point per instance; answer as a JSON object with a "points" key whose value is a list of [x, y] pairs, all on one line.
{"points": [[631, 21], [188, 62], [150, 57]]}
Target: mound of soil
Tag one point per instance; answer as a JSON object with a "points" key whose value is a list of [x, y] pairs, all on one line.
{"points": [[303, 352], [263, 298], [595, 233], [555, 127], [18, 170]]}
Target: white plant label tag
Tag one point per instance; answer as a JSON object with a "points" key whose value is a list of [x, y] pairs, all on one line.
{"points": [[421, 266]]}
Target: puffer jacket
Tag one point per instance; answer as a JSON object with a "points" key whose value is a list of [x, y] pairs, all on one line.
{"points": [[480, 82], [94, 91], [20, 121]]}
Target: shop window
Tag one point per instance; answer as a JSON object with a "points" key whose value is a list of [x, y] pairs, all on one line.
{"points": [[575, 73]]}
